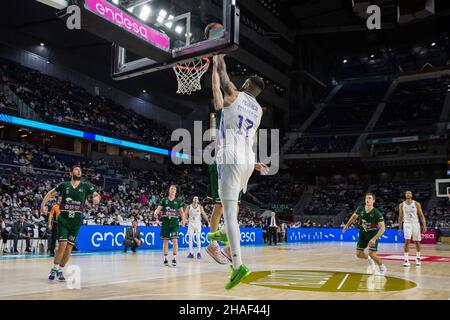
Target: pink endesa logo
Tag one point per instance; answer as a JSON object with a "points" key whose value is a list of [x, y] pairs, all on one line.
{"points": [[118, 17]]}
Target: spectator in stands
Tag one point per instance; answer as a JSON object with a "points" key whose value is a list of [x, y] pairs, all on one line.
{"points": [[3, 234], [53, 228], [265, 233], [20, 231], [273, 225], [282, 232], [132, 238]]}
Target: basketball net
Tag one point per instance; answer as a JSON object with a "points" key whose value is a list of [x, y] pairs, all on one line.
{"points": [[189, 75]]}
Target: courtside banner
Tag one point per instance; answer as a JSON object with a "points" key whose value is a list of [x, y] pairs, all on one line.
{"points": [[314, 234], [103, 238]]}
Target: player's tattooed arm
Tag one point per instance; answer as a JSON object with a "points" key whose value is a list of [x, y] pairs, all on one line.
{"points": [[381, 230], [205, 216], [400, 218], [157, 211], [230, 90], [217, 92], [421, 216], [50, 195], [183, 216], [350, 222]]}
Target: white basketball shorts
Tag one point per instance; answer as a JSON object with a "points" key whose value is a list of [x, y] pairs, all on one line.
{"points": [[412, 230], [194, 227], [233, 178]]}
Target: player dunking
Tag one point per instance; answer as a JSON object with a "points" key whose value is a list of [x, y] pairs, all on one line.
{"points": [[195, 213], [213, 249], [171, 207], [74, 195], [409, 213], [241, 117], [371, 228]]}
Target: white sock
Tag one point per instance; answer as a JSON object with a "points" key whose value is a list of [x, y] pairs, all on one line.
{"points": [[175, 256], [406, 255], [56, 266], [233, 232], [191, 243], [199, 244], [223, 230], [418, 255]]}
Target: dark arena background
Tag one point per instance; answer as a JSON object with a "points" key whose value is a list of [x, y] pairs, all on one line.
{"points": [[356, 106]]}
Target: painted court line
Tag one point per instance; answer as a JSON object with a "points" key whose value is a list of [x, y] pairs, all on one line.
{"points": [[342, 282]]}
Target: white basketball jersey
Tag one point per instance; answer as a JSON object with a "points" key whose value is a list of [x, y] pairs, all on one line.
{"points": [[195, 215], [238, 126], [410, 212]]}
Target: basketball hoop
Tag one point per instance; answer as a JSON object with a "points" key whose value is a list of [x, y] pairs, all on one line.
{"points": [[189, 75]]}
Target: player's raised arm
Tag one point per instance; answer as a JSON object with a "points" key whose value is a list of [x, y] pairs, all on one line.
{"points": [[205, 216], [350, 221], [421, 216], [400, 218], [230, 90], [217, 92], [50, 195]]}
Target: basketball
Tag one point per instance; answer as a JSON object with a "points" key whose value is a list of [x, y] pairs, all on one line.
{"points": [[212, 26]]}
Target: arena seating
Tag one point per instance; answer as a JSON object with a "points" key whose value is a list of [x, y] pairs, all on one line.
{"points": [[332, 199], [390, 195], [328, 144], [7, 106], [439, 216], [351, 108], [63, 103], [279, 193], [24, 182], [415, 104]]}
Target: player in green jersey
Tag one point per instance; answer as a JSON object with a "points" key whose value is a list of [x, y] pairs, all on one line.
{"points": [[74, 195], [372, 227], [170, 207]]}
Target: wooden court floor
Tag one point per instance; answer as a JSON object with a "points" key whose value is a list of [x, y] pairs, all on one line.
{"points": [[141, 276]]}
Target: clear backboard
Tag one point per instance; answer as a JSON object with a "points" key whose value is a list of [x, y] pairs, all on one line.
{"points": [[152, 35], [175, 29], [443, 188]]}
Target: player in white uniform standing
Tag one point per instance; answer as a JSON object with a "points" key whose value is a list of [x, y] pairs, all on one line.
{"points": [[195, 213], [409, 213], [241, 117]]}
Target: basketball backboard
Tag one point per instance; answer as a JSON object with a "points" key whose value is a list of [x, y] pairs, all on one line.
{"points": [[443, 188], [178, 29], [152, 35]]}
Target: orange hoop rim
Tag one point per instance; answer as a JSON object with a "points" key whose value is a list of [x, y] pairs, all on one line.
{"points": [[206, 59]]}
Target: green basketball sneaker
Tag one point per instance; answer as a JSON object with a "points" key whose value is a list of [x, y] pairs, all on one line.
{"points": [[218, 236], [237, 276]]}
